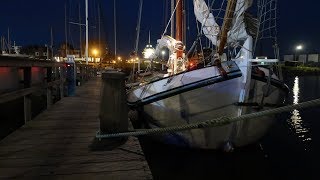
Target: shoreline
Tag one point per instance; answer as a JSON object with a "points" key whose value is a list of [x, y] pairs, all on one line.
{"points": [[300, 71]]}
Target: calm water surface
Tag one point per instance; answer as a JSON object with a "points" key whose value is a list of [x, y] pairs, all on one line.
{"points": [[290, 150]]}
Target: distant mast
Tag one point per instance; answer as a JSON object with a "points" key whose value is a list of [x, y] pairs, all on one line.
{"points": [[86, 32], [65, 28], [115, 29], [80, 32], [9, 44]]}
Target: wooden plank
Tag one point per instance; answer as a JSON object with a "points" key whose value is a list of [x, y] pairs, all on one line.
{"points": [[27, 108]]}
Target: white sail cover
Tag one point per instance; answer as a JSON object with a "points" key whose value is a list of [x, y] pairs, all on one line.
{"points": [[209, 26], [238, 30]]}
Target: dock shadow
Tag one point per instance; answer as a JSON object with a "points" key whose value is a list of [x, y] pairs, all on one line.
{"points": [[107, 144]]}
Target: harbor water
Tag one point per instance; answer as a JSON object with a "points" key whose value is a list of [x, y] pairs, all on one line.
{"points": [[288, 151]]}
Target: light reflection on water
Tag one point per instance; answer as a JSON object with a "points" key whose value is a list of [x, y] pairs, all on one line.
{"points": [[296, 121]]}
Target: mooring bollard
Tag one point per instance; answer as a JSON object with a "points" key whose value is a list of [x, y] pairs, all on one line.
{"points": [[113, 107]]}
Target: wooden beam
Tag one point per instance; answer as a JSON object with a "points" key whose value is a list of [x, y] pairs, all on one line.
{"points": [[228, 16], [7, 61]]}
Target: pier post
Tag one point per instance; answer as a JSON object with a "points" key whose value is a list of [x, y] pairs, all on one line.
{"points": [[48, 89], [61, 85], [27, 98], [71, 78], [113, 107]]}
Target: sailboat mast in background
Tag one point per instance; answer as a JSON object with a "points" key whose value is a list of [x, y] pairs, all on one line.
{"points": [[65, 27], [9, 43], [115, 28], [87, 32], [80, 32]]}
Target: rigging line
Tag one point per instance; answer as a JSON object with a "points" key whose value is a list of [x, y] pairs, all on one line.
{"points": [[137, 40], [202, 25], [206, 18], [138, 26], [259, 24], [209, 9], [69, 28], [201, 48], [165, 30]]}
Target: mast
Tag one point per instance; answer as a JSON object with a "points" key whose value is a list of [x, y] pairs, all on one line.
{"points": [[172, 19], [51, 43], [115, 29], [80, 32], [179, 20], [99, 32], [137, 38], [87, 32], [184, 23], [9, 44], [65, 27], [226, 24]]}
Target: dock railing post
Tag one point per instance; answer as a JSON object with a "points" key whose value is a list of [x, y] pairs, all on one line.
{"points": [[71, 78], [27, 98], [61, 85], [49, 89], [113, 113]]}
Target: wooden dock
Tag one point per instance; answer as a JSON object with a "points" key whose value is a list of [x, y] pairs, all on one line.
{"points": [[57, 144]]}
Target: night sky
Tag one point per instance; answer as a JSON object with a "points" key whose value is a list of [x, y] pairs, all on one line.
{"points": [[30, 21]]}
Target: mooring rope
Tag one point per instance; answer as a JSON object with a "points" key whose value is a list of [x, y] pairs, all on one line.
{"points": [[211, 123]]}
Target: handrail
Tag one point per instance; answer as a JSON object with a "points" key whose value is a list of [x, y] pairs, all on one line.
{"points": [[6, 97]]}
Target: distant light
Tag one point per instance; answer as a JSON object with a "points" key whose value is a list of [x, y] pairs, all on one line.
{"points": [[95, 52], [163, 52], [299, 47], [119, 58], [148, 52]]}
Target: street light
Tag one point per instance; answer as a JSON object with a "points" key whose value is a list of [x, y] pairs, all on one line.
{"points": [[163, 53], [298, 48], [95, 52]]}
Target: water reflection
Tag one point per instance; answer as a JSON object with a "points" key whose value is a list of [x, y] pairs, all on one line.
{"points": [[296, 121]]}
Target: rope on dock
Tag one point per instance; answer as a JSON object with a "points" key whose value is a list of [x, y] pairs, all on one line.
{"points": [[211, 123]]}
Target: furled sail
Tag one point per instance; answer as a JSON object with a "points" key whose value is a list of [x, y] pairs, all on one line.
{"points": [[210, 27], [238, 30]]}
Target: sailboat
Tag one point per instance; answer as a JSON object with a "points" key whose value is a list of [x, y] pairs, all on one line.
{"points": [[231, 88]]}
